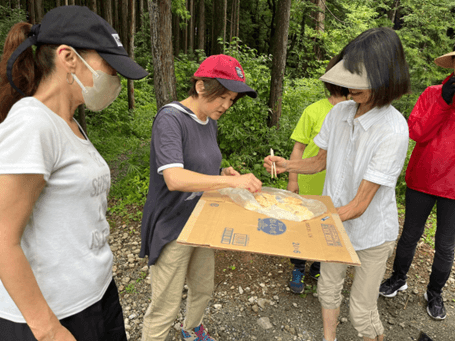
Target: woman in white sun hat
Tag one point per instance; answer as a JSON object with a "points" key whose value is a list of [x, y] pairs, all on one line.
{"points": [[362, 145], [430, 180]]}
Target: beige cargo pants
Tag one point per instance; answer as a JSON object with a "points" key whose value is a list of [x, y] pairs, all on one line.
{"points": [[176, 263]]}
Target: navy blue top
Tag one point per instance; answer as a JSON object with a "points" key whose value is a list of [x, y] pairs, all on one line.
{"points": [[179, 139]]}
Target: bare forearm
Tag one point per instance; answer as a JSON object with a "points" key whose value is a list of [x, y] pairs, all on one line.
{"points": [[188, 181], [19, 280], [357, 206], [296, 154], [311, 165]]}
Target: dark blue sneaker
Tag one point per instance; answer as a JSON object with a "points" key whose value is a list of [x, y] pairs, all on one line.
{"points": [[315, 270], [296, 282], [435, 307]]}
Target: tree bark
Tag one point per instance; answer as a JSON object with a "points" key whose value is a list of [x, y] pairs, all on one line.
{"points": [[238, 19], [116, 16], [185, 33], [92, 6], [132, 26], [163, 61], [191, 29], [58, 3], [201, 25], [124, 24], [232, 24], [176, 34], [219, 26], [31, 11], [107, 12], [39, 11], [279, 60]]}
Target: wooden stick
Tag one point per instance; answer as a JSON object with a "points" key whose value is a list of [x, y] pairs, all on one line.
{"points": [[273, 170]]}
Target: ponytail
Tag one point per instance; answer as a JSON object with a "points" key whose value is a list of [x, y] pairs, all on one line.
{"points": [[27, 71]]}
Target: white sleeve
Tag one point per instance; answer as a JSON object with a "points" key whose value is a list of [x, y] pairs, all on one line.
{"points": [[387, 161], [28, 143], [322, 138]]}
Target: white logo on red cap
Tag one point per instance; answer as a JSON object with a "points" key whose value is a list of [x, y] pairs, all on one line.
{"points": [[117, 39], [239, 72]]}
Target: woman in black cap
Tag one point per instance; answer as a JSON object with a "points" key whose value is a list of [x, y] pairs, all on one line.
{"points": [[55, 262], [185, 161]]}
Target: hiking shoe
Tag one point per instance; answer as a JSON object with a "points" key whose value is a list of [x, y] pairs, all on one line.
{"points": [[391, 286], [315, 270], [196, 334], [435, 307], [296, 282]]}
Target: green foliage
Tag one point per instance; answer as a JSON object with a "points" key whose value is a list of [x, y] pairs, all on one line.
{"points": [[8, 17], [400, 188]]}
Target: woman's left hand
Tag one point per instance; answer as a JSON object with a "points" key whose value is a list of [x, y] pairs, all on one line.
{"points": [[229, 171]]}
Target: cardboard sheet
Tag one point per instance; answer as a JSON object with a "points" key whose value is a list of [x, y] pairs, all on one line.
{"points": [[217, 222]]}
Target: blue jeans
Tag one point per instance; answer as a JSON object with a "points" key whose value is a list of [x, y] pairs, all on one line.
{"points": [[418, 208]]}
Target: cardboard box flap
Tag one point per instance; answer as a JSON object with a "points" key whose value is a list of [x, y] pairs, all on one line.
{"points": [[217, 222]]}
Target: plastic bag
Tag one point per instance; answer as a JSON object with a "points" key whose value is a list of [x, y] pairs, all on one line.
{"points": [[248, 201]]}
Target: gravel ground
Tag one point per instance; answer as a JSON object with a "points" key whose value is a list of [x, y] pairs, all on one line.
{"points": [[252, 300]]}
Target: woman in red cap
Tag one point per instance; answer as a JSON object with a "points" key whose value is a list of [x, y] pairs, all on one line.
{"points": [[430, 179], [55, 262], [185, 161]]}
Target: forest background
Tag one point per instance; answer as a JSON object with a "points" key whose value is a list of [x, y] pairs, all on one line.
{"points": [[283, 46]]}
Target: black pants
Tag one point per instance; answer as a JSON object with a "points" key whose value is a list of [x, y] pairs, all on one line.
{"points": [[102, 321], [300, 264], [418, 208]]}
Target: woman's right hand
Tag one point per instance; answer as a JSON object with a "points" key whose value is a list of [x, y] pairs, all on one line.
{"points": [[247, 181]]}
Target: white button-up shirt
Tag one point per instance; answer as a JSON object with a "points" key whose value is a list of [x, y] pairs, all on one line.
{"points": [[371, 147]]}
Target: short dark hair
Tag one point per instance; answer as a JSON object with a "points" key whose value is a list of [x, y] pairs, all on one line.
{"points": [[213, 89], [335, 90], [381, 51]]}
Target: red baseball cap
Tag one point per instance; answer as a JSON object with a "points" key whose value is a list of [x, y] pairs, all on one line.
{"points": [[226, 70]]}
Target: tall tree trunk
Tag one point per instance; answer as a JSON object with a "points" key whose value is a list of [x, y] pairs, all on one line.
{"points": [[231, 26], [201, 25], [163, 61], [238, 19], [176, 33], [132, 26], [219, 26], [107, 11], [39, 10], [92, 6], [58, 3], [140, 15], [116, 16], [185, 33], [191, 29], [279, 60], [31, 11], [124, 24], [320, 21]]}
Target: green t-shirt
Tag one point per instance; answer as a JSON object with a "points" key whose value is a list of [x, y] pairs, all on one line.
{"points": [[307, 128]]}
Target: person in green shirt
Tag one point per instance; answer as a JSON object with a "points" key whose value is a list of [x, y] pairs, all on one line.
{"points": [[310, 184]]}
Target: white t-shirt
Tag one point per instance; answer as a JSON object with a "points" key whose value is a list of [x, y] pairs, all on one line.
{"points": [[371, 147], [65, 239]]}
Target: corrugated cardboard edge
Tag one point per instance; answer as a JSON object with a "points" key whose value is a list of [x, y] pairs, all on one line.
{"points": [[183, 237], [346, 240]]}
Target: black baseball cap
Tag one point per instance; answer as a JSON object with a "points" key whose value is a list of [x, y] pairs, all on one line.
{"points": [[80, 28]]}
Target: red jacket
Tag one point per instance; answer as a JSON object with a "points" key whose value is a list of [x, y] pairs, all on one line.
{"points": [[431, 168]]}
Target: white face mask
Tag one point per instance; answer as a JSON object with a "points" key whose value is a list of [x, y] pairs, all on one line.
{"points": [[104, 91]]}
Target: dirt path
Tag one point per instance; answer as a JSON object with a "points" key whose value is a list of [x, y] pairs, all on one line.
{"points": [[252, 300]]}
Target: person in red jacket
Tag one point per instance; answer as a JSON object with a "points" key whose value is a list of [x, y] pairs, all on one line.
{"points": [[430, 179]]}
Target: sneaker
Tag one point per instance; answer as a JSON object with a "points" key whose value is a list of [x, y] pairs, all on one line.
{"points": [[296, 282], [315, 271], [196, 334], [435, 307], [391, 286]]}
